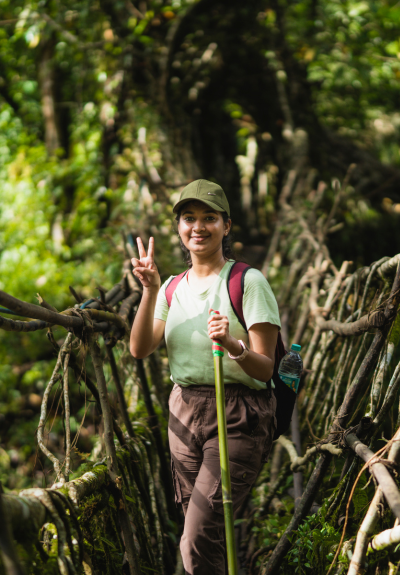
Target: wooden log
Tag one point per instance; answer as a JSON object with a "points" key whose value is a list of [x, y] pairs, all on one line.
{"points": [[373, 320], [385, 539], [26, 513], [390, 266], [128, 304], [37, 312], [66, 319], [379, 471], [24, 326], [8, 550]]}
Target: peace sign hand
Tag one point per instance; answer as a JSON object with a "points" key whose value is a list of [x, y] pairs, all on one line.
{"points": [[144, 268]]}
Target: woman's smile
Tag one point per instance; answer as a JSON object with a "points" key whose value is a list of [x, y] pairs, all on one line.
{"points": [[201, 228], [199, 239]]}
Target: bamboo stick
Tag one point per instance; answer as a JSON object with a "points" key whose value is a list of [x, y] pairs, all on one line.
{"points": [[218, 353]]}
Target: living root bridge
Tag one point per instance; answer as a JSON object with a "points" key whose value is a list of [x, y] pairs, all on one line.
{"points": [[341, 417], [91, 496], [349, 328], [347, 399], [123, 501]]}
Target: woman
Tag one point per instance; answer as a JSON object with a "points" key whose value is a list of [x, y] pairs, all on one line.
{"points": [[204, 223]]}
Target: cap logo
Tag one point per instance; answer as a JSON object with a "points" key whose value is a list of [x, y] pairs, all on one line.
{"points": [[211, 194]]}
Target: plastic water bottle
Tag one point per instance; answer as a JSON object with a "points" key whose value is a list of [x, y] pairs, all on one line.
{"points": [[291, 367]]}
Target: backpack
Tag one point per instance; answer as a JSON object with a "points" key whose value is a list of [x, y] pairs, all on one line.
{"points": [[285, 397]]}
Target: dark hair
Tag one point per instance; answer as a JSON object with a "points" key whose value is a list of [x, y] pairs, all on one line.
{"points": [[227, 250]]}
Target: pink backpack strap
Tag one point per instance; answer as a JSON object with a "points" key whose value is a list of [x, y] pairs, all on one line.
{"points": [[236, 289], [171, 287], [236, 292]]}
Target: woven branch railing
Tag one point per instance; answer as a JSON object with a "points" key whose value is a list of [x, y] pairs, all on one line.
{"points": [[346, 396], [349, 328], [133, 482]]}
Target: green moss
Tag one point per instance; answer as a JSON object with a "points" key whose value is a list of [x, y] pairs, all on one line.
{"points": [[395, 331]]}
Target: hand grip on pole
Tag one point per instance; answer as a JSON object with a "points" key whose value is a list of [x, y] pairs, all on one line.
{"points": [[217, 349]]}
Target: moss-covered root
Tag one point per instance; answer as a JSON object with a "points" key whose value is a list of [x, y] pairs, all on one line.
{"points": [[364, 533], [384, 539]]}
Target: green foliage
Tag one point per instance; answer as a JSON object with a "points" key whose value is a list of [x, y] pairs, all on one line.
{"points": [[313, 547], [267, 530], [62, 213], [351, 52], [360, 498]]}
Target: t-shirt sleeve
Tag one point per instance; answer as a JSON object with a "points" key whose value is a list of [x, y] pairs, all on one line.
{"points": [[259, 303], [162, 309]]}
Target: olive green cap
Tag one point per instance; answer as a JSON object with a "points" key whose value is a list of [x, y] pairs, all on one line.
{"points": [[204, 191]]}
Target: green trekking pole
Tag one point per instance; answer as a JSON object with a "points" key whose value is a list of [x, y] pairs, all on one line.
{"points": [[218, 353]]}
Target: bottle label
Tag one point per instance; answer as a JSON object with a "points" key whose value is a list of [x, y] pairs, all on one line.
{"points": [[292, 382]]}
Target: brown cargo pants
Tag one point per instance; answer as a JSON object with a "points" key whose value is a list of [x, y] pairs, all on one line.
{"points": [[193, 440]]}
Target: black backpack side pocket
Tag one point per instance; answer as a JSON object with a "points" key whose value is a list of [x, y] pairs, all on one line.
{"points": [[285, 402]]}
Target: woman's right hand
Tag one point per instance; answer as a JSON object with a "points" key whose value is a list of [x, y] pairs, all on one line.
{"points": [[144, 268]]}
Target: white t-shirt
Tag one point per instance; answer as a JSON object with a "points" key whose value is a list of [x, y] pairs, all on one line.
{"points": [[188, 345]]}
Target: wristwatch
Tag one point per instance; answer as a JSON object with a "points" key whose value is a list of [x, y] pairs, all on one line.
{"points": [[243, 354]]}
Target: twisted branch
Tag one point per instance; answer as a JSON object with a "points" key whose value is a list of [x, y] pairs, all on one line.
{"points": [[67, 416], [43, 412], [297, 462]]}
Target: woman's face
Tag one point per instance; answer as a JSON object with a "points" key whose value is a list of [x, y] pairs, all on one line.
{"points": [[202, 229]]}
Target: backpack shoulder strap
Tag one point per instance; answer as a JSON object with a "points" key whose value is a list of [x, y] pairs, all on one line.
{"points": [[236, 292], [236, 289], [280, 351], [171, 287]]}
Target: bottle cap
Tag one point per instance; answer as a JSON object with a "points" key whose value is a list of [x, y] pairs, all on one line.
{"points": [[295, 347]]}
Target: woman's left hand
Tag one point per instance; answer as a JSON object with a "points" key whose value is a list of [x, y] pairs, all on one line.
{"points": [[218, 328]]}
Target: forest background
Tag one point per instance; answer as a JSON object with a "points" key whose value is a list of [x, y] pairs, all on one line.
{"points": [[108, 108]]}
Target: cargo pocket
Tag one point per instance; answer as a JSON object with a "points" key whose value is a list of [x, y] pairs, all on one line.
{"points": [[172, 393], [177, 485], [242, 479], [252, 417], [269, 439]]}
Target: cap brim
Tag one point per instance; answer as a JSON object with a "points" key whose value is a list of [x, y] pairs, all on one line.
{"points": [[207, 202]]}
